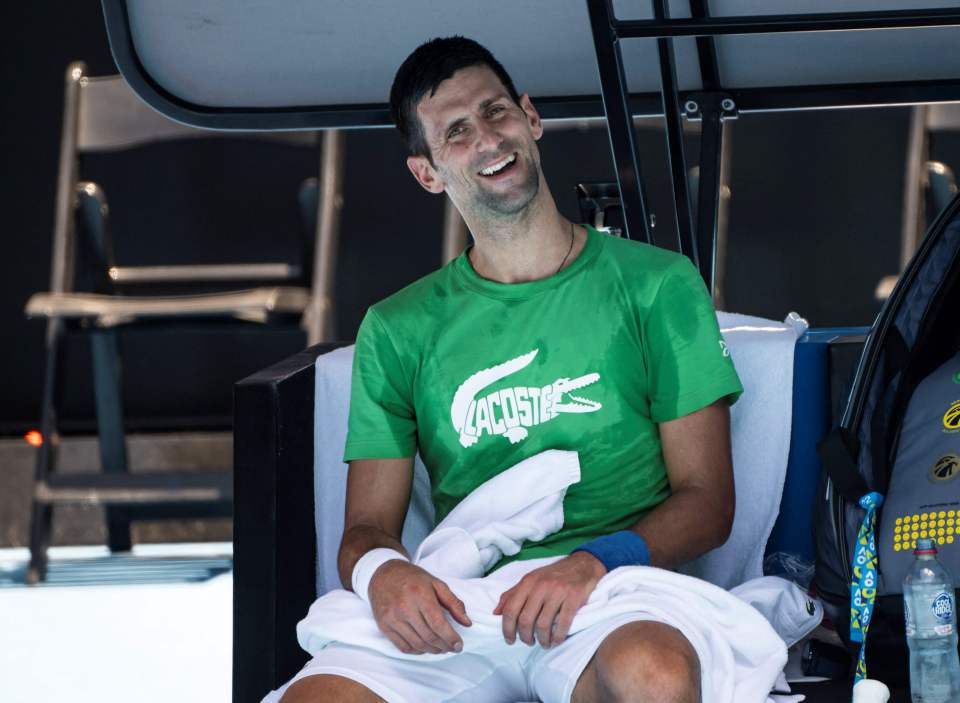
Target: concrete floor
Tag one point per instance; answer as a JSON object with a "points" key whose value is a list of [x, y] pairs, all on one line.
{"points": [[84, 524], [100, 638]]}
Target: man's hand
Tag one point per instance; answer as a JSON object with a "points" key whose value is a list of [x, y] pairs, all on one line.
{"points": [[545, 601], [410, 606]]}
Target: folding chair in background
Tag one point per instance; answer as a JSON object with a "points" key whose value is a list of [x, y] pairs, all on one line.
{"points": [[92, 296]]}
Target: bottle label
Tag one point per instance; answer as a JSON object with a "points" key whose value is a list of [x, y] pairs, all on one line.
{"points": [[943, 607], [943, 629]]}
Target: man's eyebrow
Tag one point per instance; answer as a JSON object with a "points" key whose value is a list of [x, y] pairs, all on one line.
{"points": [[489, 101], [481, 107]]}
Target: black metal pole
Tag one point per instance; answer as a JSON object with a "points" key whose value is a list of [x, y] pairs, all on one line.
{"points": [[623, 142], [706, 50], [708, 194], [711, 139], [675, 152], [842, 96], [776, 24]]}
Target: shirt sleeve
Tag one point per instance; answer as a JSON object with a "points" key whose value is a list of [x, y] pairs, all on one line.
{"points": [[382, 421], [688, 363]]}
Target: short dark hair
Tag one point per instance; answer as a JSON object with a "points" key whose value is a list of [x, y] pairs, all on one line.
{"points": [[422, 73]]}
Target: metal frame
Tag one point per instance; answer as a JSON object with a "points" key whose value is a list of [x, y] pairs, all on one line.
{"points": [[701, 244], [709, 224], [319, 320]]}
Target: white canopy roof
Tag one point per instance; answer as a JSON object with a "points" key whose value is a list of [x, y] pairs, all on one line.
{"points": [[296, 54]]}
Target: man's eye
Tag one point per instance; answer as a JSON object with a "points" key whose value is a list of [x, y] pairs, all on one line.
{"points": [[454, 132], [494, 110]]}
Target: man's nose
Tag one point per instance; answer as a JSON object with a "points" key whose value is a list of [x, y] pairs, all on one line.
{"points": [[488, 138]]}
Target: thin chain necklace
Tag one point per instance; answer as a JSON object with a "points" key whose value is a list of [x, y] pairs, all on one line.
{"points": [[568, 250], [560, 268]]}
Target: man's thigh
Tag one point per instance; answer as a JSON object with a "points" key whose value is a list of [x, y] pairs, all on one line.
{"points": [[641, 661], [328, 687]]}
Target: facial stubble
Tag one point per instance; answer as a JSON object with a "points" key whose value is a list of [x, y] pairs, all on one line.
{"points": [[500, 204]]}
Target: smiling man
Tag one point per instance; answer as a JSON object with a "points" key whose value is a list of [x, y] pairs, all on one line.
{"points": [[542, 335]]}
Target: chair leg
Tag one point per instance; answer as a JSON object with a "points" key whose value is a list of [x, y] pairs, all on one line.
{"points": [[41, 518], [108, 388], [41, 521], [119, 537]]}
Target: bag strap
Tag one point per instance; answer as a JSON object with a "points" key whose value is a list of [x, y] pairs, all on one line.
{"points": [[838, 461], [896, 358], [835, 450]]}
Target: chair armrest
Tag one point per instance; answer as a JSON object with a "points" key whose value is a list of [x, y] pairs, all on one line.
{"points": [[254, 305], [273, 524], [194, 273]]}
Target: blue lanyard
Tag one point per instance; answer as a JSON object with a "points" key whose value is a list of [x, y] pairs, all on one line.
{"points": [[863, 585]]}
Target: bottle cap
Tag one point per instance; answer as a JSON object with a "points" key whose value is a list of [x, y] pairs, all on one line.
{"points": [[870, 691], [925, 545]]}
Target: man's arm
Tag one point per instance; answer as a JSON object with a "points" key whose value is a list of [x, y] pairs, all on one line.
{"points": [[378, 494], [409, 605], [696, 518], [698, 515]]}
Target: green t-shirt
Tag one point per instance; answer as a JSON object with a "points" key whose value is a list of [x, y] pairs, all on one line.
{"points": [[479, 375]]}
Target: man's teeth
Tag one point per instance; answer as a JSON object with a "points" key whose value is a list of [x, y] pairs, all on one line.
{"points": [[499, 166]]}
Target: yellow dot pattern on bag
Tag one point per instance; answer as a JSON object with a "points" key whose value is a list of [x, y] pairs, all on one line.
{"points": [[942, 526]]}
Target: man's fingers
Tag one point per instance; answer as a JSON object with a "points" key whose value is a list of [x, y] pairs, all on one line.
{"points": [[449, 601], [527, 619], [510, 605], [399, 641], [520, 612], [411, 634], [504, 597], [510, 609], [545, 620], [434, 642], [445, 636], [562, 623]]}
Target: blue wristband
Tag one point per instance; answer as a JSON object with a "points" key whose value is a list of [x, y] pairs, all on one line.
{"points": [[623, 548]]}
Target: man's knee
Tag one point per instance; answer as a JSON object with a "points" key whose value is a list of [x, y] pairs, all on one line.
{"points": [[326, 687], [650, 662]]}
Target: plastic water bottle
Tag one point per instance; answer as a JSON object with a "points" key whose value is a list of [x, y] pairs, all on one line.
{"points": [[929, 605]]}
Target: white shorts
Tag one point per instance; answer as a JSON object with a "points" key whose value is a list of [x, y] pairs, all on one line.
{"points": [[537, 674]]}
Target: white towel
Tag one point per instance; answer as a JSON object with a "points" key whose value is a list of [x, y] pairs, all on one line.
{"points": [[762, 351], [741, 655], [331, 409]]}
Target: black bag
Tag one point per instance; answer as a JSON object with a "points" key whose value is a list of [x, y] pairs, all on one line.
{"points": [[887, 442]]}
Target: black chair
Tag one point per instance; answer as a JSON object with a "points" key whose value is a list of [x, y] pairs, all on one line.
{"points": [[274, 533]]}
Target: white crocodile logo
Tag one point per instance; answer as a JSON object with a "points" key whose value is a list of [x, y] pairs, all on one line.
{"points": [[520, 407]]}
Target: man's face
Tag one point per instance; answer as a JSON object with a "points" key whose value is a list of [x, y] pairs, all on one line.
{"points": [[483, 144]]}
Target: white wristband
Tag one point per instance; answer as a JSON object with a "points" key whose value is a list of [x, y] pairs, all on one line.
{"points": [[367, 564]]}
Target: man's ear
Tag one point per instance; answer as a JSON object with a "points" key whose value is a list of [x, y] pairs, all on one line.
{"points": [[425, 174], [533, 117]]}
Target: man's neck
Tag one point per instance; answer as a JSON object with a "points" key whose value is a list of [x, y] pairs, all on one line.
{"points": [[529, 247]]}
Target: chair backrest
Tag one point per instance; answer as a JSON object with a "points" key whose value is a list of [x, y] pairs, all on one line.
{"points": [[103, 114], [111, 116]]}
